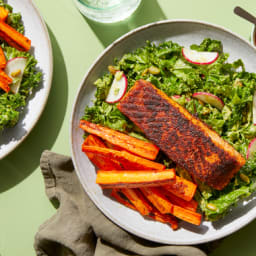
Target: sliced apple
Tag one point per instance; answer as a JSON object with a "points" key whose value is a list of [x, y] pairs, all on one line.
{"points": [[251, 148], [15, 68], [118, 88], [254, 109], [209, 98], [200, 58]]}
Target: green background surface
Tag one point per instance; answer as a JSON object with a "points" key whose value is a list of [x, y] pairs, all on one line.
{"points": [[76, 43]]}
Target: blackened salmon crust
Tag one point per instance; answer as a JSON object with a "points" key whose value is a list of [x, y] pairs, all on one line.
{"points": [[184, 138]]}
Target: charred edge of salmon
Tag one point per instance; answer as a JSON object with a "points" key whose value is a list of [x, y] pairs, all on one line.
{"points": [[217, 160]]}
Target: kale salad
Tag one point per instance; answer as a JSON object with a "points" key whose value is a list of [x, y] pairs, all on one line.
{"points": [[13, 101], [165, 66]]}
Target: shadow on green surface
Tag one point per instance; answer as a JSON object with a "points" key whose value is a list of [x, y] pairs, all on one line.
{"points": [[25, 159], [241, 241], [148, 11]]}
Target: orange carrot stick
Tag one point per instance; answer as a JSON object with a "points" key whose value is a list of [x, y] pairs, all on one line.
{"points": [[4, 77], [4, 86], [187, 215], [2, 58], [137, 199], [162, 204], [127, 160], [10, 41], [134, 179], [13, 37], [182, 188], [164, 218], [131, 144], [100, 161], [3, 13], [5, 81], [116, 193], [93, 140], [189, 205], [104, 163], [111, 146]]}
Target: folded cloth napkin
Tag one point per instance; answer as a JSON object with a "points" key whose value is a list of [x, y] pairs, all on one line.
{"points": [[79, 228]]}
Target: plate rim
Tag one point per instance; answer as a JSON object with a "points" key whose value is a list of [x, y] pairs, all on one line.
{"points": [[48, 85], [72, 131], [253, 34]]}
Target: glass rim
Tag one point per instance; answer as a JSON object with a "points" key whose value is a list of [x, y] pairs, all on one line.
{"points": [[98, 8]]}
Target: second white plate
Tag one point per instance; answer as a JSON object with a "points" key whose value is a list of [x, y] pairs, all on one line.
{"points": [[36, 31]]}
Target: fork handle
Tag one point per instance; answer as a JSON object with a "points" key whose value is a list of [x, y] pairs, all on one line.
{"points": [[244, 14]]}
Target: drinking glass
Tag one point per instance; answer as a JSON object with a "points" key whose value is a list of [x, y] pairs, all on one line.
{"points": [[107, 11]]}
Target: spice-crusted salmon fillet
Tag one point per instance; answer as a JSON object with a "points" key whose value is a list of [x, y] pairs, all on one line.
{"points": [[184, 138]]}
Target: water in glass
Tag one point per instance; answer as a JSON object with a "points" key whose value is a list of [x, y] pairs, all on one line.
{"points": [[107, 11]]}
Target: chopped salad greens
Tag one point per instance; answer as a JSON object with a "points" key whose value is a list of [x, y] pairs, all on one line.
{"points": [[11, 104], [165, 67]]}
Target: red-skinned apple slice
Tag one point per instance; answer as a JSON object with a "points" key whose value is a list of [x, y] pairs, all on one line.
{"points": [[14, 69], [254, 109], [200, 58], [209, 98], [118, 88], [251, 148]]}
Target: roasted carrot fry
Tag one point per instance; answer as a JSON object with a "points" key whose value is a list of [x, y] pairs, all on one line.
{"points": [[182, 188], [10, 41], [104, 163], [127, 160], [154, 195], [116, 194], [13, 37], [100, 161], [5, 80], [3, 13], [4, 86], [5, 77], [161, 202], [111, 146], [2, 59], [131, 144], [187, 215], [138, 200], [134, 179], [164, 218], [93, 140], [189, 205], [154, 213]]}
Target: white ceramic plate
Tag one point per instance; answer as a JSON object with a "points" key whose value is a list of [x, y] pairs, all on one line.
{"points": [[184, 32], [253, 36], [36, 30]]}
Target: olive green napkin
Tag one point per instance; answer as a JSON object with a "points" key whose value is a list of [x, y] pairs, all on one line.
{"points": [[79, 228]]}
